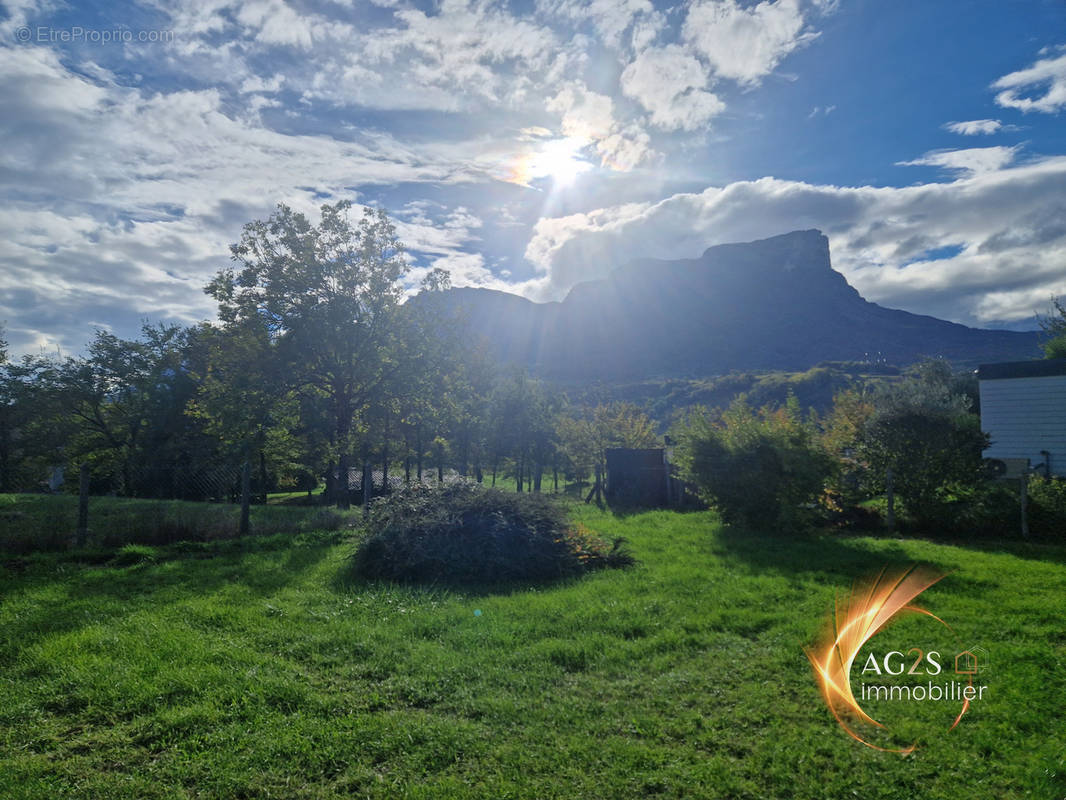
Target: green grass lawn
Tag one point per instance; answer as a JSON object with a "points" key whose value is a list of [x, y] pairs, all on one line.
{"points": [[34, 523], [256, 669]]}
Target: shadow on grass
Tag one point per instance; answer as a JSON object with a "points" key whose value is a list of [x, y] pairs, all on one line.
{"points": [[72, 595], [623, 510], [347, 581], [821, 556], [1036, 549], [849, 553]]}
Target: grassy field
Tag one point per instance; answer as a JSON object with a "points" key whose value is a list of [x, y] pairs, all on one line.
{"points": [[32, 523], [255, 668]]}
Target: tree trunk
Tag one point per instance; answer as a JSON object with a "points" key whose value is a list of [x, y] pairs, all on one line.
{"points": [[246, 499], [5, 452], [1023, 490], [538, 471], [385, 455], [331, 485], [368, 486], [418, 452], [83, 507], [440, 464], [263, 476], [343, 500]]}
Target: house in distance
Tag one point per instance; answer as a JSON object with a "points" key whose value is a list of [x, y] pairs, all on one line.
{"points": [[1023, 410]]}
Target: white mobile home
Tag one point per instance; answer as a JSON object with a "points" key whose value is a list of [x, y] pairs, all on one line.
{"points": [[1023, 410]]}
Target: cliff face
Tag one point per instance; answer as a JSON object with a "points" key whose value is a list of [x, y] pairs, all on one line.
{"points": [[771, 304]]}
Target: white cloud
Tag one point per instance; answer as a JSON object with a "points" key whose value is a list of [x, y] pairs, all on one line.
{"points": [[626, 149], [646, 30], [461, 49], [440, 238], [21, 12], [669, 83], [1048, 74], [197, 17], [127, 200], [974, 127], [35, 82], [275, 22], [971, 161], [256, 83], [1010, 225], [745, 44], [610, 18], [585, 114], [589, 116], [461, 56]]}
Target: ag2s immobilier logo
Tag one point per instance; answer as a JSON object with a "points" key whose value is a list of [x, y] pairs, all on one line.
{"points": [[917, 677]]}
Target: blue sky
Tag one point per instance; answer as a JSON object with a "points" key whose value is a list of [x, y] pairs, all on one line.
{"points": [[529, 146]]}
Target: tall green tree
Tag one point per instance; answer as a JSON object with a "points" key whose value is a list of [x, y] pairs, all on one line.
{"points": [[522, 428], [109, 402], [1054, 325], [327, 296], [761, 468], [927, 435], [585, 434], [243, 401], [10, 406]]}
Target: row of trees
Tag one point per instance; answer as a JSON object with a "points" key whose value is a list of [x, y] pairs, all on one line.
{"points": [[917, 440], [315, 369]]}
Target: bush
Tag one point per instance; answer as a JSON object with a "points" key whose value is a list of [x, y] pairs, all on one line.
{"points": [[134, 554], [759, 468], [469, 534], [971, 511], [922, 429], [1047, 506]]}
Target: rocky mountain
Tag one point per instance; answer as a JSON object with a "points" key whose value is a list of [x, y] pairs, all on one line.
{"points": [[771, 304]]}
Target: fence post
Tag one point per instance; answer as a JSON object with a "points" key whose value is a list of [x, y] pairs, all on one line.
{"points": [[246, 498], [83, 506], [344, 501], [368, 486], [1024, 490]]}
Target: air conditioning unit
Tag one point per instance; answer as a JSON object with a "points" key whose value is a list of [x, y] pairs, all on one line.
{"points": [[1007, 468]]}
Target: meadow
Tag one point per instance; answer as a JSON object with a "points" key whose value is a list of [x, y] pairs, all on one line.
{"points": [[259, 668]]}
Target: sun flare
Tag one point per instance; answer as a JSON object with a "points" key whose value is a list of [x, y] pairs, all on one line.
{"points": [[557, 159]]}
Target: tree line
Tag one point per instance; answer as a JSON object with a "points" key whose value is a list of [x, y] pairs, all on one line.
{"points": [[315, 370], [316, 373], [903, 452]]}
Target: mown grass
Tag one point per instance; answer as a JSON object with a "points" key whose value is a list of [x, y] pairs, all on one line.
{"points": [[266, 672], [32, 523]]}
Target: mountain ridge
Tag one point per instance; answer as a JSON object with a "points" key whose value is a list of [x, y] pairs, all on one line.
{"points": [[773, 303]]}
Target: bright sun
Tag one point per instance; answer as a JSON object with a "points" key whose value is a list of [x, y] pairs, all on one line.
{"points": [[559, 159]]}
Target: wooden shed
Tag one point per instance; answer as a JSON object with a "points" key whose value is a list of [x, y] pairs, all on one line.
{"points": [[1023, 410], [637, 477]]}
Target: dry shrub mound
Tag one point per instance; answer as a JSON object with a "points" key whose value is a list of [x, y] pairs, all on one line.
{"points": [[466, 533]]}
